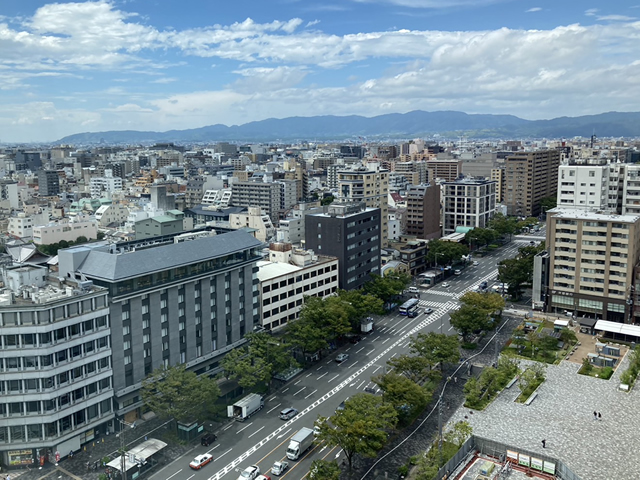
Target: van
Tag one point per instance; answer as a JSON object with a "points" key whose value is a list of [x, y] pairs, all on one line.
{"points": [[413, 290], [457, 272]]}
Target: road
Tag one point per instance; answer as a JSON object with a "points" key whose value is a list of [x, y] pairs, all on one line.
{"points": [[263, 439]]}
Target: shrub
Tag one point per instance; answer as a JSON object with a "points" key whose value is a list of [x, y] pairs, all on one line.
{"points": [[606, 373]]}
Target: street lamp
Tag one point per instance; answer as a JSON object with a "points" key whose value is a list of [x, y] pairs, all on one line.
{"points": [[123, 446]]}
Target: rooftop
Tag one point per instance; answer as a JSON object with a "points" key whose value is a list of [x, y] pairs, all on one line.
{"points": [[576, 214]]}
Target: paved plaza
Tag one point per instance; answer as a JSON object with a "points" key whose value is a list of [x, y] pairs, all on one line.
{"points": [[563, 415]]}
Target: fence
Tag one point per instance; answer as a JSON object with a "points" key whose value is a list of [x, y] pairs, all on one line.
{"points": [[499, 450]]}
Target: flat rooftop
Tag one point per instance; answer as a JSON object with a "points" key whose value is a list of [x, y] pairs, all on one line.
{"points": [[576, 214]]}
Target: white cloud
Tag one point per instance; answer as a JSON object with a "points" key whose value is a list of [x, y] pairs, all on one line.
{"points": [[164, 80], [435, 4], [264, 79], [616, 18], [312, 23], [534, 9], [591, 12]]}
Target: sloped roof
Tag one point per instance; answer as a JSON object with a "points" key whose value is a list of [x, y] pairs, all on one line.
{"points": [[119, 266]]}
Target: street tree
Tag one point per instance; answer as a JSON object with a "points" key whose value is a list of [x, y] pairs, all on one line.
{"points": [[246, 368], [547, 203], [178, 393], [388, 286], [402, 393], [273, 350], [480, 237], [467, 320], [435, 348], [459, 433], [414, 367], [361, 428], [489, 303], [361, 305], [503, 225], [324, 470], [306, 335], [514, 273], [443, 253]]}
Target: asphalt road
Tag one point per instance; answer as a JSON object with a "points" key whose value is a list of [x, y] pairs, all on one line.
{"points": [[263, 439]]}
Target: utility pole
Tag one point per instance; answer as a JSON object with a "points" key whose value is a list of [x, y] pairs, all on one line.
{"points": [[440, 430]]}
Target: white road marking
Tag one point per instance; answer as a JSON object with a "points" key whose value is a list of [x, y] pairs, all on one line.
{"points": [[213, 448], [322, 375], [283, 434], [255, 432], [303, 388], [274, 408], [363, 382], [379, 367], [385, 340], [244, 428], [333, 378], [319, 368], [369, 353], [228, 427], [174, 474], [308, 375], [285, 389], [310, 394], [353, 364], [358, 351], [297, 382], [223, 455]]}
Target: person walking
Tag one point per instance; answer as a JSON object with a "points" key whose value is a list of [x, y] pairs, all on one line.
{"points": [[599, 416], [595, 415], [544, 444]]}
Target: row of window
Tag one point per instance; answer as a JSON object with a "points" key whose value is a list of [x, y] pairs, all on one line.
{"points": [[43, 317], [54, 359]]}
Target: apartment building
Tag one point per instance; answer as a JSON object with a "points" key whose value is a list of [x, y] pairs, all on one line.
{"points": [[171, 302], [105, 186], [498, 176], [254, 219], [467, 202], [48, 183], [68, 229], [584, 187], [591, 263], [447, 169], [423, 211], [266, 196], [57, 378], [530, 177], [415, 171], [288, 277], [21, 225], [350, 232], [370, 185]]}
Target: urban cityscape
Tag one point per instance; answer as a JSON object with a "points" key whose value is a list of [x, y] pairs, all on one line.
{"points": [[353, 293]]}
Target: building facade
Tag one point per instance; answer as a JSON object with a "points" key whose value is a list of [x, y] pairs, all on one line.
{"points": [[444, 169], [350, 232], [423, 211], [467, 202], [583, 187], [48, 183], [288, 277], [68, 229], [186, 302], [258, 194]]}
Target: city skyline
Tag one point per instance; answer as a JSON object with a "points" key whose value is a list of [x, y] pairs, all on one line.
{"points": [[127, 65]]}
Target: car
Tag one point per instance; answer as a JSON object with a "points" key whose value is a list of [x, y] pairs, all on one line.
{"points": [[355, 339], [207, 439], [413, 313], [250, 473], [288, 413], [263, 477], [342, 357], [279, 468], [342, 405], [413, 290], [371, 390], [484, 285], [200, 461], [476, 263], [427, 311], [445, 285], [457, 272]]}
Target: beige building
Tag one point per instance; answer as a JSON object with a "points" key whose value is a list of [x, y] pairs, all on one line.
{"points": [[447, 169], [22, 224], [288, 277], [497, 175], [591, 263], [68, 229], [530, 177], [369, 185], [256, 219]]}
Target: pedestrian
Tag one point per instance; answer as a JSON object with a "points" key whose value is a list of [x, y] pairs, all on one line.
{"points": [[544, 444], [595, 415], [599, 416]]}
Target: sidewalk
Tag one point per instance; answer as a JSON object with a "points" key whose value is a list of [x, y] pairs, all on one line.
{"points": [[75, 468]]}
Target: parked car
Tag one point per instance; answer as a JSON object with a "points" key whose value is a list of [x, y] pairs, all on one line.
{"points": [[371, 390], [200, 461], [250, 473], [207, 439], [288, 413], [342, 405], [263, 477], [342, 357], [279, 468]]}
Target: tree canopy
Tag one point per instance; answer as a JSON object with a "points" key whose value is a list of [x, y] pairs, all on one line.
{"points": [[503, 225], [402, 393], [468, 319], [443, 253], [547, 203], [517, 272], [435, 348], [361, 428], [387, 287], [177, 393], [480, 237], [414, 367], [324, 470]]}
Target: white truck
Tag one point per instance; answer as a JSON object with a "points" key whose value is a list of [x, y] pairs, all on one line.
{"points": [[300, 443], [366, 325], [245, 407]]}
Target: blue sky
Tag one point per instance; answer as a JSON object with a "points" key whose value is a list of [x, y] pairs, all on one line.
{"points": [[160, 65]]}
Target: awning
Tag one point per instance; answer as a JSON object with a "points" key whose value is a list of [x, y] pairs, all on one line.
{"points": [[587, 322], [619, 328], [561, 323], [138, 454]]}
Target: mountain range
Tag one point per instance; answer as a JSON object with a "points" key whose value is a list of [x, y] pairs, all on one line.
{"points": [[417, 123]]}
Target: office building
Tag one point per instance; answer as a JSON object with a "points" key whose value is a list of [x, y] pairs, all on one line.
{"points": [[447, 169], [370, 185], [468, 203], [423, 211], [266, 196], [184, 302], [105, 186], [497, 175], [530, 177], [591, 263], [48, 183], [415, 172], [67, 229], [287, 277], [57, 379], [350, 232]]}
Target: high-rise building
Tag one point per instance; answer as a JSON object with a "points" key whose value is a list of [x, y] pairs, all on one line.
{"points": [[415, 171], [48, 183], [368, 184], [497, 175], [444, 169], [530, 177], [187, 302], [583, 187], [591, 263], [266, 196], [57, 378], [468, 202], [350, 232], [423, 211]]}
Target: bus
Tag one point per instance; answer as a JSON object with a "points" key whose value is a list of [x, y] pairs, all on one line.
{"points": [[410, 307]]}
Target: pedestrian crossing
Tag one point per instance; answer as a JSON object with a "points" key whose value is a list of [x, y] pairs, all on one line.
{"points": [[442, 293], [428, 303]]}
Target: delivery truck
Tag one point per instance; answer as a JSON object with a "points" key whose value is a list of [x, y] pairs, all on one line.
{"points": [[366, 325], [245, 407], [300, 443]]}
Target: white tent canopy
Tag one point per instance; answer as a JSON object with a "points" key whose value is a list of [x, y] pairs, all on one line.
{"points": [[138, 454]]}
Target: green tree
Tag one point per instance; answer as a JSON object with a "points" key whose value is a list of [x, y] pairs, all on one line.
{"points": [[503, 225], [568, 336], [324, 470], [361, 428], [327, 200], [468, 319], [387, 287], [514, 273], [414, 367], [489, 303], [274, 351], [459, 433], [480, 237], [246, 368], [177, 393], [442, 252], [547, 203], [400, 392], [360, 305], [306, 335], [535, 373], [435, 348]]}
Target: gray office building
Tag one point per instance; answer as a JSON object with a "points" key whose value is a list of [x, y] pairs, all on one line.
{"points": [[48, 183], [350, 232], [186, 302]]}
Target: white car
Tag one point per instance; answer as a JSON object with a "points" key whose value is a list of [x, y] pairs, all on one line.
{"points": [[279, 468], [476, 263], [200, 461], [445, 285], [250, 473], [342, 357]]}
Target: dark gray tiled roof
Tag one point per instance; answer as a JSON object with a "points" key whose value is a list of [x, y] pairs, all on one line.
{"points": [[113, 267]]}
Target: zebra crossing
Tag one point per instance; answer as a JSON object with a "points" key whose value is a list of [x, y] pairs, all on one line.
{"points": [[428, 303], [442, 293]]}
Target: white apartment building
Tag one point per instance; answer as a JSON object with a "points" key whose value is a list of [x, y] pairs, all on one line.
{"points": [[109, 214], [68, 229], [254, 218], [583, 187], [468, 202], [220, 198], [104, 186], [287, 277], [22, 224]]}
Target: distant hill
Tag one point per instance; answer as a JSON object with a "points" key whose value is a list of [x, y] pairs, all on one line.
{"points": [[394, 125]]}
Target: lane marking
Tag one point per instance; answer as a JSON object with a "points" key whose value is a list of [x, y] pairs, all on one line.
{"points": [[325, 373], [369, 353], [298, 382], [310, 394], [333, 378], [213, 448], [223, 455], [256, 432], [308, 375], [269, 411], [285, 389], [280, 436], [244, 428], [385, 340], [319, 368], [227, 428], [303, 388], [358, 351], [363, 382], [174, 474]]}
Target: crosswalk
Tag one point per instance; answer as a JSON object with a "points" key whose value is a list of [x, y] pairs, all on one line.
{"points": [[442, 293], [428, 303]]}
